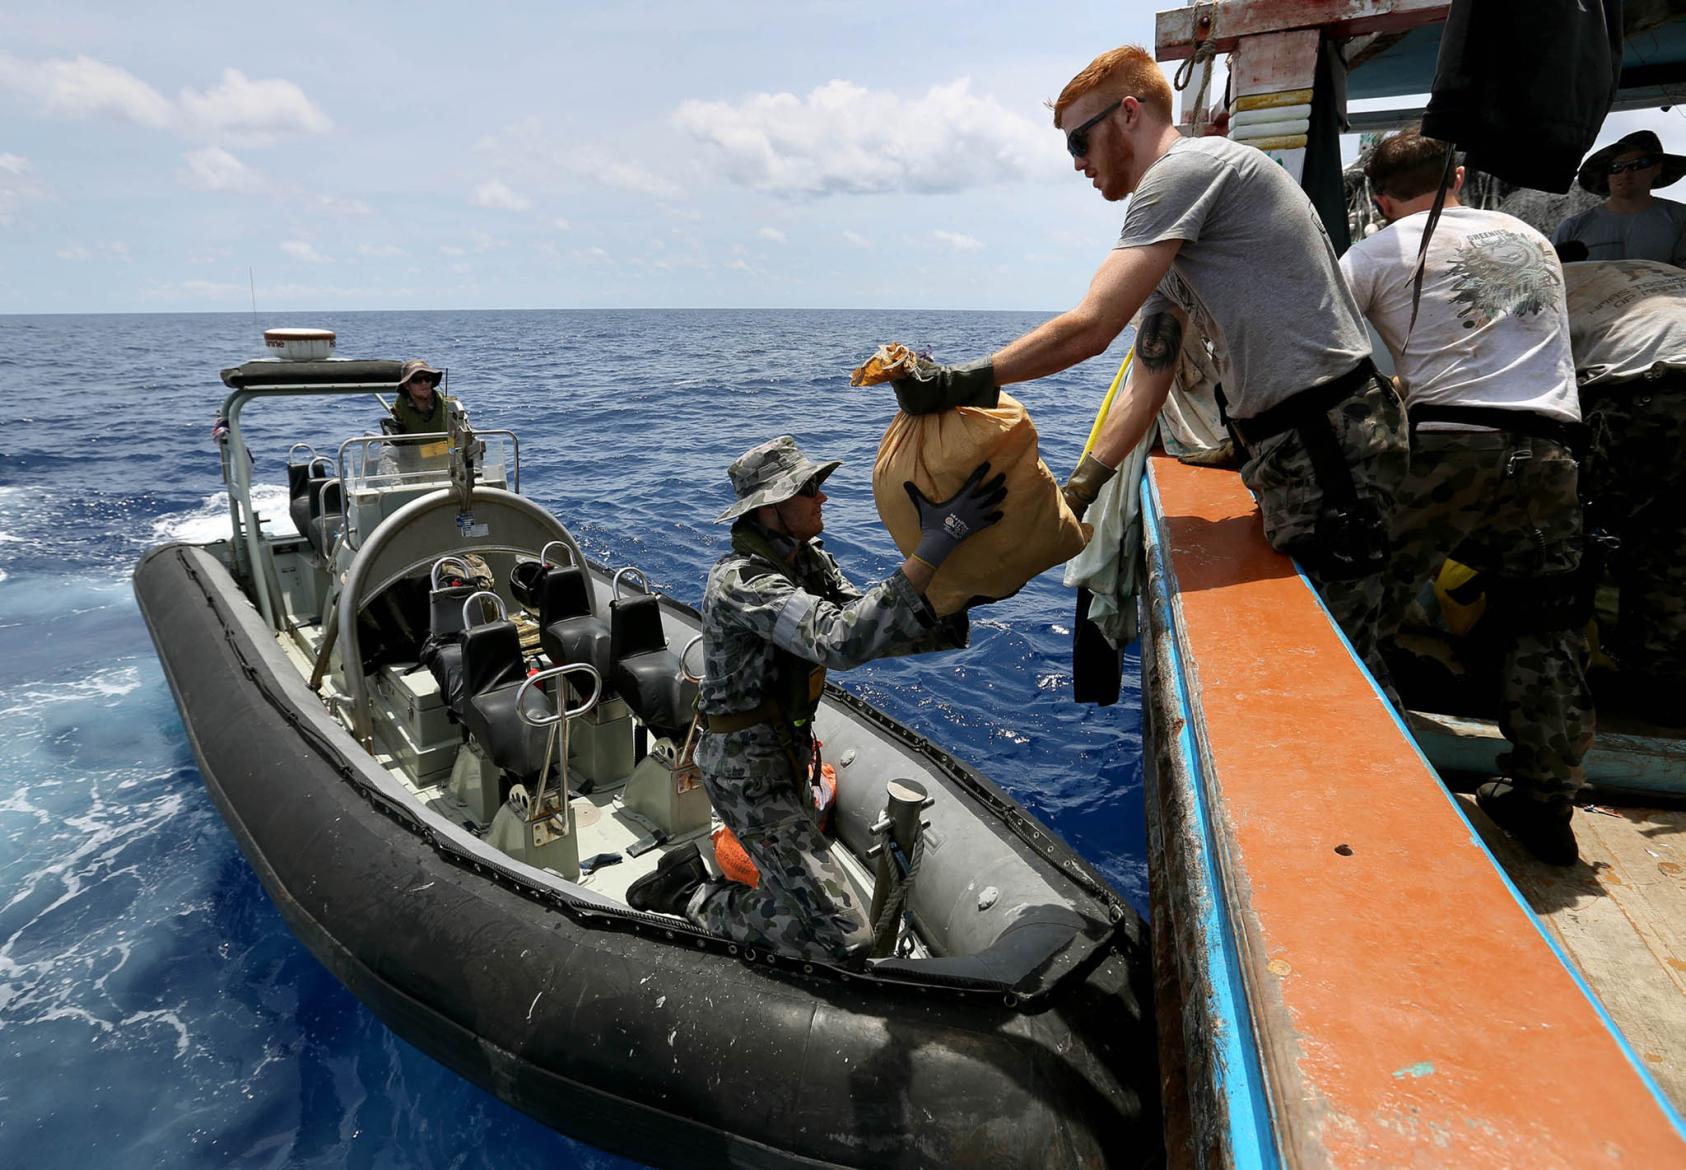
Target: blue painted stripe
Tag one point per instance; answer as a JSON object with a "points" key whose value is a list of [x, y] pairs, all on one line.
{"points": [[1639, 1068], [1238, 1071]]}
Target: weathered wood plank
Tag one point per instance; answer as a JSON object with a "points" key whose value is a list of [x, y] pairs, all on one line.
{"points": [[1621, 916], [1175, 30]]}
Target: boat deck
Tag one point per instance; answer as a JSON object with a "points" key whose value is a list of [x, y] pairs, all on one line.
{"points": [[1620, 915]]}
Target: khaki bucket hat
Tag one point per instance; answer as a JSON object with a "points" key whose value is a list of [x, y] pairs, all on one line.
{"points": [[417, 366], [770, 473]]}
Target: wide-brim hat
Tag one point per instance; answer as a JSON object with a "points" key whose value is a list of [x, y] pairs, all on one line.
{"points": [[416, 366], [1594, 175], [771, 473]]}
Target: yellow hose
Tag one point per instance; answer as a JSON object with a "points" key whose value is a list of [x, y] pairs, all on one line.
{"points": [[1106, 403]]}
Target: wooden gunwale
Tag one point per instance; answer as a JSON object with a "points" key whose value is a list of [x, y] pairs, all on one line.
{"points": [[1405, 1006]]}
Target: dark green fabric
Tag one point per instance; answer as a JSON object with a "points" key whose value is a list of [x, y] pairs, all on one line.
{"points": [[412, 421]]}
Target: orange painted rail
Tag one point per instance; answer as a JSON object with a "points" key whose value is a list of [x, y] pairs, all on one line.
{"points": [[1399, 1005]]}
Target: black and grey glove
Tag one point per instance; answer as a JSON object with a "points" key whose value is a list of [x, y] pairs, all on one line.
{"points": [[942, 526], [1085, 484], [931, 387]]}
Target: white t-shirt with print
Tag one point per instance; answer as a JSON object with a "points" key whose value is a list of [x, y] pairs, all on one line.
{"points": [[1492, 329]]}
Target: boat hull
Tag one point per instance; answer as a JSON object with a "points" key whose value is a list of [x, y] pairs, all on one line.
{"points": [[603, 1024]]}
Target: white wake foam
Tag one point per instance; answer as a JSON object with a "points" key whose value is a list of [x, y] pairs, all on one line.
{"points": [[210, 520]]}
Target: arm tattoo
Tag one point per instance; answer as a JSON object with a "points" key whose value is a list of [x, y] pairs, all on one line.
{"points": [[1160, 341]]}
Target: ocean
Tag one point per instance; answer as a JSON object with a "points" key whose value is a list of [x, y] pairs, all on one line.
{"points": [[154, 1009]]}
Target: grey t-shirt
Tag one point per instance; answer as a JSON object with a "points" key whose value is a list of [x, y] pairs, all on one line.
{"points": [[1256, 272], [1657, 233]]}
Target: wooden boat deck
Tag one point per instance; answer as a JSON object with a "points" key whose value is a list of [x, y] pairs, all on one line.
{"points": [[1620, 915], [1358, 984]]}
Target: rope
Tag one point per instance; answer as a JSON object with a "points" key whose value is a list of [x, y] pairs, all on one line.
{"points": [[898, 895]]}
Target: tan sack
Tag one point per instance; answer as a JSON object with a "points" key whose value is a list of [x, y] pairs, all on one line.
{"points": [[937, 452]]}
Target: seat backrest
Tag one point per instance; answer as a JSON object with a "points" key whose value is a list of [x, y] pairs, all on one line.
{"points": [[564, 592], [445, 608], [635, 626], [491, 657]]}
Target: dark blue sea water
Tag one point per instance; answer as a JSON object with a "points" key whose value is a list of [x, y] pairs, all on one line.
{"points": [[154, 1010]]}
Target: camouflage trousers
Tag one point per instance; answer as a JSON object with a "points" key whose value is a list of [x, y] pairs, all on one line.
{"points": [[803, 906], [1635, 479], [1340, 545], [1506, 505]]}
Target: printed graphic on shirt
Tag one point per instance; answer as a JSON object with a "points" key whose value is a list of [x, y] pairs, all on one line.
{"points": [[1503, 272]]}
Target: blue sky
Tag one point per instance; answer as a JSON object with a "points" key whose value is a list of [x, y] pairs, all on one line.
{"points": [[546, 155]]}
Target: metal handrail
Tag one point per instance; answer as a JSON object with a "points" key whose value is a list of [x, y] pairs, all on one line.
{"points": [[684, 672], [503, 614], [562, 710], [307, 447], [558, 723], [629, 571], [364, 442], [544, 553]]}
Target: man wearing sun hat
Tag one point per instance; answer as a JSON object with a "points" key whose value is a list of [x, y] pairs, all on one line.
{"points": [[419, 408], [1631, 223], [777, 612]]}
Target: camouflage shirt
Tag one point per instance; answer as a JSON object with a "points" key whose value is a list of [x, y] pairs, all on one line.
{"points": [[752, 606]]}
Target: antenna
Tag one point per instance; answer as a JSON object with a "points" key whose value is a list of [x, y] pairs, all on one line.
{"points": [[252, 280]]}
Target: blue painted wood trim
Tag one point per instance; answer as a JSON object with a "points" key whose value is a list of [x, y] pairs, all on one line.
{"points": [[1237, 1067]]}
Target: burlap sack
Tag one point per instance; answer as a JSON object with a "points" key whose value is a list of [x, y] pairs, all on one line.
{"points": [[937, 452]]}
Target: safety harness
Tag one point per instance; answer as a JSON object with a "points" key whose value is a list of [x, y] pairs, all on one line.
{"points": [[793, 697]]}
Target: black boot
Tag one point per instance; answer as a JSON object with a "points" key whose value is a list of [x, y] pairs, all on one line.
{"points": [[669, 889], [1539, 826]]}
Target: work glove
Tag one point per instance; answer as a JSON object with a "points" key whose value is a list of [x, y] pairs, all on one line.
{"points": [[1085, 484], [931, 387], [942, 526]]}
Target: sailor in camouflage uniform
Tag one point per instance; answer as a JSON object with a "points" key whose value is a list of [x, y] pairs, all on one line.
{"points": [[1489, 384], [777, 613]]}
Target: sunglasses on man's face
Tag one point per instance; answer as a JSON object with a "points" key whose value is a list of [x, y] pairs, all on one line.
{"points": [[809, 489], [420, 380], [1077, 142], [1634, 164]]}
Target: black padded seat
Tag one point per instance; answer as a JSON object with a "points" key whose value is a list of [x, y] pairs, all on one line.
{"points": [[493, 671], [304, 483], [568, 631], [442, 652], [645, 672]]}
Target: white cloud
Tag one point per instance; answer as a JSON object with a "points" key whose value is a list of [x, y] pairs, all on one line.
{"points": [[845, 139], [497, 195], [773, 234], [561, 224], [340, 205], [486, 242], [16, 187], [592, 255], [597, 164], [253, 111], [115, 250], [380, 250], [241, 109], [212, 168], [855, 239], [452, 250], [957, 241], [83, 87], [739, 266], [301, 250]]}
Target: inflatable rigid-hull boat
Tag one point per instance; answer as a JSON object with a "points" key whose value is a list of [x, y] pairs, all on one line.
{"points": [[439, 877]]}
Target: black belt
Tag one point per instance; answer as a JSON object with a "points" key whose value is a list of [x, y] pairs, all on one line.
{"points": [[1517, 422], [1307, 404], [1646, 383]]}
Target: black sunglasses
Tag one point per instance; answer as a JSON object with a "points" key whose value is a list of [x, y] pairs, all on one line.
{"points": [[1077, 142], [421, 380], [1634, 164], [809, 489]]}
